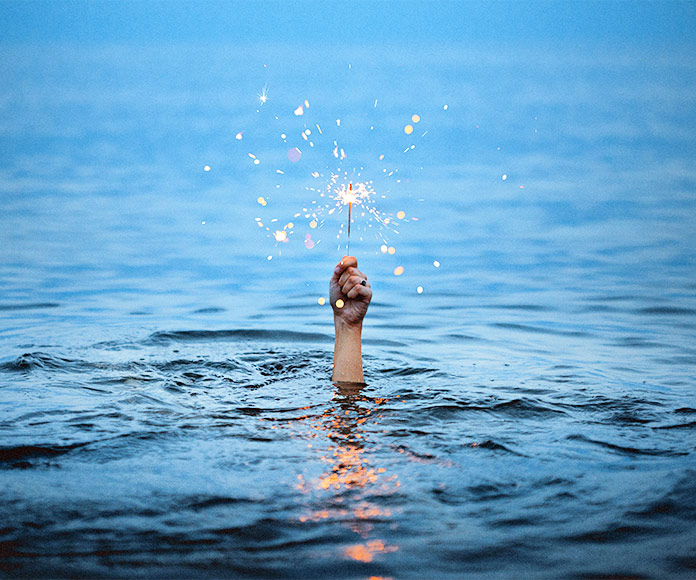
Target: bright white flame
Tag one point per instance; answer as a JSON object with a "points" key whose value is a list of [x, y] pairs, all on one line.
{"points": [[263, 95]]}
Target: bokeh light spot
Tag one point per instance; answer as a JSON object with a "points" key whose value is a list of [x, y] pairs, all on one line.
{"points": [[294, 154], [398, 270]]}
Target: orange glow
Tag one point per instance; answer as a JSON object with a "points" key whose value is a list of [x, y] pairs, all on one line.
{"points": [[366, 552]]}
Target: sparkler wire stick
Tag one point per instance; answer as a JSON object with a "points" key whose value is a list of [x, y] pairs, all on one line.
{"points": [[350, 207]]}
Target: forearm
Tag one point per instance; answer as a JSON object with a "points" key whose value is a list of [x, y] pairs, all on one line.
{"points": [[347, 365]]}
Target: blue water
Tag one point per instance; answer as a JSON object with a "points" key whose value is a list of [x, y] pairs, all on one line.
{"points": [[166, 403]]}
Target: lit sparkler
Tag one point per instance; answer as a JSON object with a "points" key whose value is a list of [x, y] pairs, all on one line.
{"points": [[341, 186]]}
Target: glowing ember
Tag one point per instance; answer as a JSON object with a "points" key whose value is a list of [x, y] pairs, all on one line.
{"points": [[339, 303], [408, 129], [415, 118], [299, 111], [280, 236], [401, 215], [392, 250], [322, 301], [260, 200], [398, 270], [383, 248]]}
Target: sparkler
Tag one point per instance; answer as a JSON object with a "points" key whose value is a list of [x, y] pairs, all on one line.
{"points": [[341, 186]]}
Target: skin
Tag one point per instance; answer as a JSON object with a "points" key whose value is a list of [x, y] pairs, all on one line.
{"points": [[345, 284]]}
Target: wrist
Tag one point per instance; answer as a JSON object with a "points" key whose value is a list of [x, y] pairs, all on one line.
{"points": [[342, 326]]}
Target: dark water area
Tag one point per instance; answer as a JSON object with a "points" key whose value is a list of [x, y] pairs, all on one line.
{"points": [[166, 409]]}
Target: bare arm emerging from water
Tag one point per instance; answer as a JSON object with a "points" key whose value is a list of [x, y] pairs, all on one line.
{"points": [[350, 295]]}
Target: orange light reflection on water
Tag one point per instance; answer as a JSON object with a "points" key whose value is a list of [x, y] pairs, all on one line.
{"points": [[344, 491]]}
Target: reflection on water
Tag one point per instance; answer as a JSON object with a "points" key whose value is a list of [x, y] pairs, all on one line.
{"points": [[349, 489]]}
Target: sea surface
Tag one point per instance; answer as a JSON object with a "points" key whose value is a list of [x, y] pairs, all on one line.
{"points": [[166, 408]]}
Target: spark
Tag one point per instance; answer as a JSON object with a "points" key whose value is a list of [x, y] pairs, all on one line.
{"points": [[263, 95]]}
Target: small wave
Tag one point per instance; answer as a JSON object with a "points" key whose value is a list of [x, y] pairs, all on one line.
{"points": [[164, 337], [690, 425], [539, 329], [29, 306], [611, 534], [201, 503], [520, 307], [492, 446], [40, 360], [666, 311], [513, 407], [22, 453], [627, 450], [467, 337], [407, 371]]}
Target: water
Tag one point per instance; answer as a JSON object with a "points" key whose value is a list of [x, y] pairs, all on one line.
{"points": [[167, 409]]}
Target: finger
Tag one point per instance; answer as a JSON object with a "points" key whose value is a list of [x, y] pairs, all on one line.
{"points": [[348, 273], [351, 282], [346, 262], [360, 290]]}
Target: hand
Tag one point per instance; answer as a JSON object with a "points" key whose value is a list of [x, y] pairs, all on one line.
{"points": [[346, 285]]}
